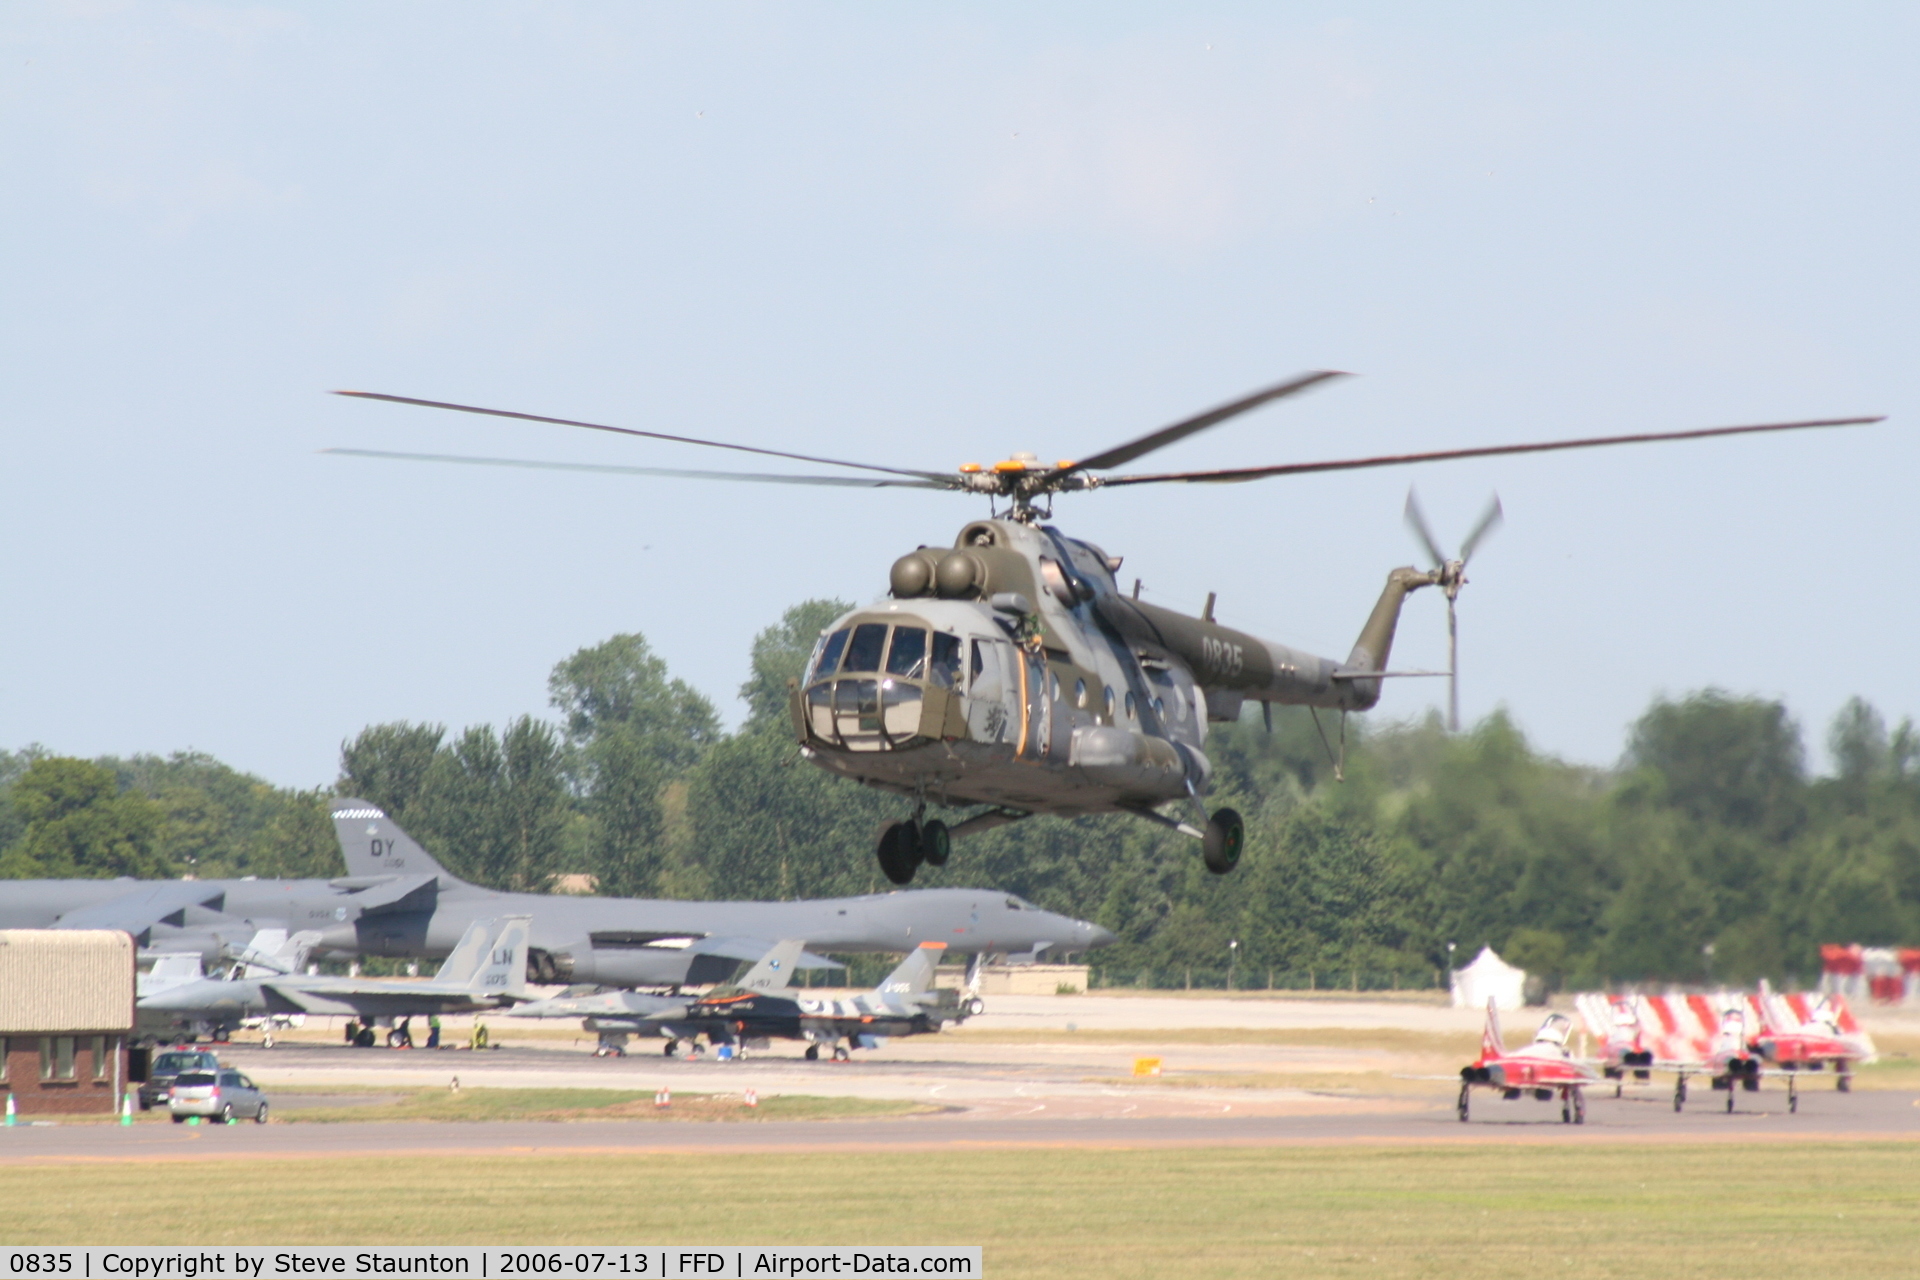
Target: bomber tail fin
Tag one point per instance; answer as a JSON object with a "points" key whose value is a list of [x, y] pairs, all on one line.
{"points": [[1491, 1044], [774, 970], [914, 974], [374, 845]]}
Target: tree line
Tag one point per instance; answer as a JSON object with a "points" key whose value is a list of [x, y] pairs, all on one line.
{"points": [[1709, 852]]}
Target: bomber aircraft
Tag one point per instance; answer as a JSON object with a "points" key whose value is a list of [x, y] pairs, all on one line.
{"points": [[396, 900]]}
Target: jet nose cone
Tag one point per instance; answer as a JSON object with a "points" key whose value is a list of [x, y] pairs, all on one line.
{"points": [[1098, 937]]}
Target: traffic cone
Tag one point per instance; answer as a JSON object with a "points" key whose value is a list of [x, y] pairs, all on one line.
{"points": [[126, 1108], [752, 1098], [663, 1098], [10, 1120]]}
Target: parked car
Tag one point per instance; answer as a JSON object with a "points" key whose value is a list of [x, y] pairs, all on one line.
{"points": [[168, 1064], [224, 1095]]}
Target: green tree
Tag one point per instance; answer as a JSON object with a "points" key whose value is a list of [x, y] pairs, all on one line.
{"points": [[78, 823], [388, 764], [495, 805], [780, 654], [632, 731]]}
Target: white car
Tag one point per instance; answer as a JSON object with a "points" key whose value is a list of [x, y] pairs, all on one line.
{"points": [[224, 1095]]}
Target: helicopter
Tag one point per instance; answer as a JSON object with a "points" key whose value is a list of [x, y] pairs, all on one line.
{"points": [[1012, 672]]}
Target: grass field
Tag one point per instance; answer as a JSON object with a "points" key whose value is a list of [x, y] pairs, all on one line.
{"points": [[1482, 1212], [593, 1104]]}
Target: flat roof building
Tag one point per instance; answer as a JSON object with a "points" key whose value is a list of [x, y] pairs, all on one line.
{"points": [[66, 1012]]}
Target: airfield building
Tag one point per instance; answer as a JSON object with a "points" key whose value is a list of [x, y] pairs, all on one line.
{"points": [[66, 1012]]}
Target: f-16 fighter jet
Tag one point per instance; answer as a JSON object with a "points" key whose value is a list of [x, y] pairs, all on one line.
{"points": [[488, 969]]}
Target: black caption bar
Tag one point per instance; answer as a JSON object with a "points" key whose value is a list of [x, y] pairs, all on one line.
{"points": [[475, 1262]]}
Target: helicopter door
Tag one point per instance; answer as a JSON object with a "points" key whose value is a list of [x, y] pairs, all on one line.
{"points": [[993, 691]]}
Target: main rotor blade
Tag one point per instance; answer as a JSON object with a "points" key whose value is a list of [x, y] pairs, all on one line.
{"points": [[1120, 455], [1486, 451], [634, 431], [1417, 521], [1489, 521], [849, 482]]}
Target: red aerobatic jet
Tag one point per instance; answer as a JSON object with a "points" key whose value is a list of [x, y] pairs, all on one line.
{"points": [[1542, 1068]]}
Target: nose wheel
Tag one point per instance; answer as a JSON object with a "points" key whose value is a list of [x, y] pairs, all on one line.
{"points": [[905, 845]]}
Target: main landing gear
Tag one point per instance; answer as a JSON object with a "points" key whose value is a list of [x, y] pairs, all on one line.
{"points": [[905, 845]]}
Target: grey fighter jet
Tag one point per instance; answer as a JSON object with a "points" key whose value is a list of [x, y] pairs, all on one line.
{"points": [[486, 970], [395, 900], [616, 1015]]}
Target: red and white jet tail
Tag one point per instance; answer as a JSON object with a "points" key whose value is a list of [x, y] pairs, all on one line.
{"points": [[1491, 1045]]}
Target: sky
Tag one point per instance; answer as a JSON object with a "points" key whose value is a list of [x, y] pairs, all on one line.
{"points": [[923, 236]]}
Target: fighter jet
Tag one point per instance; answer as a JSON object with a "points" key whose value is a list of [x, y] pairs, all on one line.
{"points": [[395, 900], [486, 970], [904, 1004], [617, 1015]]}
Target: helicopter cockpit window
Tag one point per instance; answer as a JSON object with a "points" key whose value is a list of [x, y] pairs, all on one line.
{"points": [[830, 653], [1132, 713], [979, 658], [863, 651], [1109, 689], [945, 669], [1080, 693], [908, 656]]}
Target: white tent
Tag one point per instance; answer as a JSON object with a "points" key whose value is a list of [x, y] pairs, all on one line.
{"points": [[1489, 977]]}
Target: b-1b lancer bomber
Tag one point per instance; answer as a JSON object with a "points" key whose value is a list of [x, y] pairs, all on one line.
{"points": [[397, 901]]}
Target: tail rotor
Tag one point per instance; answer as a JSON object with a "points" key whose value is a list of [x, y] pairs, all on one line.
{"points": [[1450, 575]]}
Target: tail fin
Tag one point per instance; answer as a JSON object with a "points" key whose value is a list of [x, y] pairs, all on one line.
{"points": [[374, 845], [915, 973], [1764, 1004], [1491, 1045], [490, 958], [774, 970], [272, 953], [1375, 644]]}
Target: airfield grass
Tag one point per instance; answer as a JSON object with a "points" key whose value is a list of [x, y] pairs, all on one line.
{"points": [[1484, 1212], [481, 1104]]}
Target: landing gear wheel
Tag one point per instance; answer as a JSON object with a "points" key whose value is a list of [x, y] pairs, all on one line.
{"points": [[1579, 1107], [899, 852], [1845, 1083], [1566, 1108], [1226, 837], [976, 1007], [840, 1053], [1680, 1095], [1793, 1103], [936, 843], [673, 1047], [1729, 1097], [1460, 1107], [813, 1053]]}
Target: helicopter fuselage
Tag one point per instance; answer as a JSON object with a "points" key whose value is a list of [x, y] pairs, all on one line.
{"points": [[1009, 670]]}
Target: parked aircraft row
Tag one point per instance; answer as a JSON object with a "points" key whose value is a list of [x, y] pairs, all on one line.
{"points": [[396, 900], [1754, 1039]]}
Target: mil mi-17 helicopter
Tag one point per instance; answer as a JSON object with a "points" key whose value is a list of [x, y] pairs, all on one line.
{"points": [[1011, 671]]}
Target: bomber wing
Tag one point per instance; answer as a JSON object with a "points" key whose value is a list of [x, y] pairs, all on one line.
{"points": [[140, 909]]}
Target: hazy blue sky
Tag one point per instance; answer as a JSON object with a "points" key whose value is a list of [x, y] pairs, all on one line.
{"points": [[927, 235]]}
